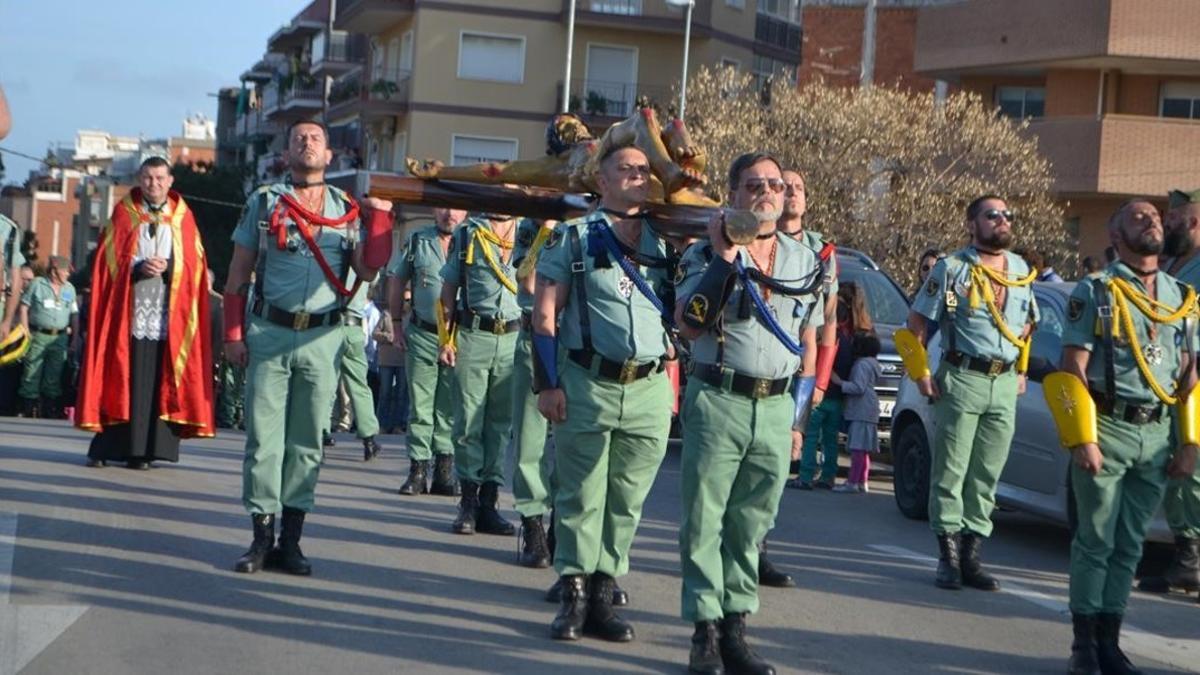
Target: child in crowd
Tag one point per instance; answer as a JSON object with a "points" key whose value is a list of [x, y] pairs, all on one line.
{"points": [[861, 411]]}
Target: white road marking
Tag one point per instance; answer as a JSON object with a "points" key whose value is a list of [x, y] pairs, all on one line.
{"points": [[25, 630], [1176, 652]]}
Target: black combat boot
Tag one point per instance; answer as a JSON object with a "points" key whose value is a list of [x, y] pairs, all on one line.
{"points": [[28, 408], [444, 482], [620, 598], [768, 574], [291, 559], [572, 611], [949, 573], [534, 550], [973, 574], [705, 658], [371, 448], [735, 653], [418, 474], [602, 621], [487, 519], [1184, 572], [255, 558], [327, 440], [1083, 648], [1108, 646], [468, 506]]}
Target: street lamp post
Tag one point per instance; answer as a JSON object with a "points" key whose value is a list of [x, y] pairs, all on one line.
{"points": [[687, 43], [566, 95]]}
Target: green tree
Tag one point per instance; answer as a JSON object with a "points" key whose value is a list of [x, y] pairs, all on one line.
{"points": [[214, 195], [888, 172]]}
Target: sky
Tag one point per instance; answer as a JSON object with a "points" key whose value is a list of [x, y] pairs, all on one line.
{"points": [[129, 67]]}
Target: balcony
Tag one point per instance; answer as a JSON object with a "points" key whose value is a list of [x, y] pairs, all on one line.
{"points": [[1028, 36], [603, 103], [652, 16], [295, 35], [337, 53], [293, 96], [358, 93], [372, 17], [780, 38], [1119, 154]]}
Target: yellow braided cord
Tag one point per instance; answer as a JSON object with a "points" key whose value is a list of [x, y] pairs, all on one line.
{"points": [[1119, 289], [980, 286], [446, 337], [531, 257], [489, 256], [1002, 277]]}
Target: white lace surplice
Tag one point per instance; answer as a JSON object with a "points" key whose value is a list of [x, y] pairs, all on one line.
{"points": [[150, 295]]}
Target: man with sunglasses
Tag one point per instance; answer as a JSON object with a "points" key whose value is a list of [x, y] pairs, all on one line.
{"points": [[1182, 502], [983, 299], [752, 314], [597, 296], [1127, 377]]}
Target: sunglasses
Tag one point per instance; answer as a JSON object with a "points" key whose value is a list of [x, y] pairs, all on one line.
{"points": [[995, 214], [926, 267], [758, 185]]}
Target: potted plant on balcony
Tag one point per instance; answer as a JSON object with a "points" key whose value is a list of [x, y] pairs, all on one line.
{"points": [[597, 103], [384, 88]]}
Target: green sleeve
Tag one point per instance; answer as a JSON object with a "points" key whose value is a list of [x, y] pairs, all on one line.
{"points": [[928, 302], [554, 262], [1080, 330], [29, 295], [691, 268], [401, 264], [246, 232]]}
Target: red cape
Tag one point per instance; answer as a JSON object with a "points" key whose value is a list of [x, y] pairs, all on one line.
{"points": [[185, 391]]}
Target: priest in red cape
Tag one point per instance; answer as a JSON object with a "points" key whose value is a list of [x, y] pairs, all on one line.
{"points": [[147, 378]]}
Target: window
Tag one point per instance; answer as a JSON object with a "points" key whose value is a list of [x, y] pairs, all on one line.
{"points": [[788, 10], [393, 55], [629, 7], [478, 149], [767, 69], [740, 4], [1019, 102], [406, 51], [499, 58], [611, 83], [377, 55], [1181, 99]]}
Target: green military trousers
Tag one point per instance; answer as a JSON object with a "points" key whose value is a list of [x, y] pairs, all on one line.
{"points": [[607, 453], [736, 452], [42, 377], [533, 475], [290, 379], [483, 390], [430, 396], [354, 376], [974, 421], [1114, 511], [231, 395], [1182, 505]]}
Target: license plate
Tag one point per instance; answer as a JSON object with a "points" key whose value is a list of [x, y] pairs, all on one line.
{"points": [[885, 408]]}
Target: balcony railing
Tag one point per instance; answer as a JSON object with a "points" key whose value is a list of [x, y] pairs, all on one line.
{"points": [[613, 99], [382, 92], [338, 49], [628, 7], [777, 33]]}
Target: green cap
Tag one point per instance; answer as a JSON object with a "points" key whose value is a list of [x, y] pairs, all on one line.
{"points": [[1178, 198]]}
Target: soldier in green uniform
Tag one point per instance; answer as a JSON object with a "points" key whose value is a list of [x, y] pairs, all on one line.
{"points": [[10, 245], [983, 299], [418, 267], [301, 239], [1127, 372], [354, 373], [49, 312], [611, 407], [738, 416], [479, 293], [1182, 503]]}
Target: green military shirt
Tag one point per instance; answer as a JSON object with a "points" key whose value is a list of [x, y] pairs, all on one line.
{"points": [[974, 332], [1189, 272], [479, 289], [291, 279], [10, 244], [816, 242], [527, 231], [47, 309], [624, 324], [750, 347], [1164, 353], [421, 262]]}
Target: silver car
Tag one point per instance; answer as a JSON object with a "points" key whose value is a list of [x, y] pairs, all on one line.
{"points": [[1036, 478]]}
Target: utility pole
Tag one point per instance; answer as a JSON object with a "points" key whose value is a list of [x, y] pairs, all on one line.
{"points": [[867, 76]]}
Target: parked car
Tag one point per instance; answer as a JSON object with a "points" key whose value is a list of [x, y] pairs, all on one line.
{"points": [[1037, 476]]}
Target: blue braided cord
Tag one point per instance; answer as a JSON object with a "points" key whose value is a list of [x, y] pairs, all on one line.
{"points": [[765, 313], [607, 238]]}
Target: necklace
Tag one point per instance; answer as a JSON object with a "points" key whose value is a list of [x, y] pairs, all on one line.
{"points": [[317, 205], [767, 269]]}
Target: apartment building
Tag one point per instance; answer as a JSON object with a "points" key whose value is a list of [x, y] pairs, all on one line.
{"points": [[1111, 89]]}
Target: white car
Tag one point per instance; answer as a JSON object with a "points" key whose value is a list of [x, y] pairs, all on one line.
{"points": [[1036, 477]]}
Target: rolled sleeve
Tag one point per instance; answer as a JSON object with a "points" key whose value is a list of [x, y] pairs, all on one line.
{"points": [[928, 302], [1080, 330]]}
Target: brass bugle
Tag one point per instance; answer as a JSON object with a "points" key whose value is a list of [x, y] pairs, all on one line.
{"points": [[667, 220]]}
